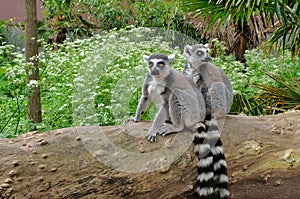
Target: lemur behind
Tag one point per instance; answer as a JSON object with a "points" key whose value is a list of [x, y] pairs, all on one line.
{"points": [[217, 91]]}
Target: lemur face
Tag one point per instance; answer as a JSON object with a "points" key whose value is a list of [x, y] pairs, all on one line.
{"points": [[158, 64], [197, 51]]}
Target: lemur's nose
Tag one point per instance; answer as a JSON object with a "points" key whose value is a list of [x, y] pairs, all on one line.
{"points": [[154, 72]]}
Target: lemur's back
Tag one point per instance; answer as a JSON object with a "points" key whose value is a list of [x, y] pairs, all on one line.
{"points": [[206, 74]]}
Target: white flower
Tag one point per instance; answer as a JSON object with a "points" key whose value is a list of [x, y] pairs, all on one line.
{"points": [[33, 84], [52, 88], [62, 107], [10, 73]]}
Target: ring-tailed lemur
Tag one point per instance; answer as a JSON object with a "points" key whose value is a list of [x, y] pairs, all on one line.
{"points": [[217, 91], [185, 105], [181, 99], [208, 78], [151, 93]]}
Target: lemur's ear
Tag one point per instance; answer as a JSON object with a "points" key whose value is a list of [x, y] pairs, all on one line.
{"points": [[171, 59], [146, 58], [188, 50]]}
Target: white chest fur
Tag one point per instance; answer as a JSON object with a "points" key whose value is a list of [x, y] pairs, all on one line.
{"points": [[155, 93]]}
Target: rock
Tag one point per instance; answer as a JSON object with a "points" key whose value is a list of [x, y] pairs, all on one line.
{"points": [[12, 173], [8, 180], [266, 178], [278, 182], [44, 142], [41, 179], [4, 185], [142, 150], [15, 163], [44, 156], [42, 167]]}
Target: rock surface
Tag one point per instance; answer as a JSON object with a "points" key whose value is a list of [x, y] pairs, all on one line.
{"points": [[263, 156]]}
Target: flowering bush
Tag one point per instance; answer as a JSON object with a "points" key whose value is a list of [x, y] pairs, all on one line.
{"points": [[97, 81], [13, 110], [85, 82], [244, 78]]}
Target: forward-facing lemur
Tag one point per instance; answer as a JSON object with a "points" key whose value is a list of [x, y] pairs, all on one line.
{"points": [[202, 53], [185, 105], [217, 91], [181, 99], [151, 93], [205, 164]]}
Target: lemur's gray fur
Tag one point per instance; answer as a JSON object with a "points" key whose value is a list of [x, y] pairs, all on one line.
{"points": [[180, 98], [217, 91], [209, 79], [202, 54]]}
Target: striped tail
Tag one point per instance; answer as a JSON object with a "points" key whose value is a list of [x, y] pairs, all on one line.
{"points": [[212, 180], [219, 162], [205, 178]]}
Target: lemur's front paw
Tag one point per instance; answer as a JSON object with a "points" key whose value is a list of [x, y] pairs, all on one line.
{"points": [[151, 137], [162, 131], [166, 129], [131, 120]]}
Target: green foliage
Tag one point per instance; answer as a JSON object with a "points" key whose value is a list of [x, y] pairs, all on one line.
{"points": [[12, 91], [287, 35], [108, 14], [67, 14], [85, 82], [82, 17], [4, 25], [2, 28], [282, 97], [97, 81], [244, 79]]}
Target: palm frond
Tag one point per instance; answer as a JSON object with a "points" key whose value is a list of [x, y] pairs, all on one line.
{"points": [[221, 13], [286, 95], [249, 106]]}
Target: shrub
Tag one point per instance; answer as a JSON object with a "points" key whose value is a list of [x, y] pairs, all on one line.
{"points": [[85, 82], [244, 78], [97, 81]]}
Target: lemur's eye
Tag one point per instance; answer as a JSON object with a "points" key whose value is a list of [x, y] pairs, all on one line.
{"points": [[150, 64], [161, 64], [200, 53]]}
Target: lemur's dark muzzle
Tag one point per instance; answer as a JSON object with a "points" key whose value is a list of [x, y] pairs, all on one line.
{"points": [[154, 72]]}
